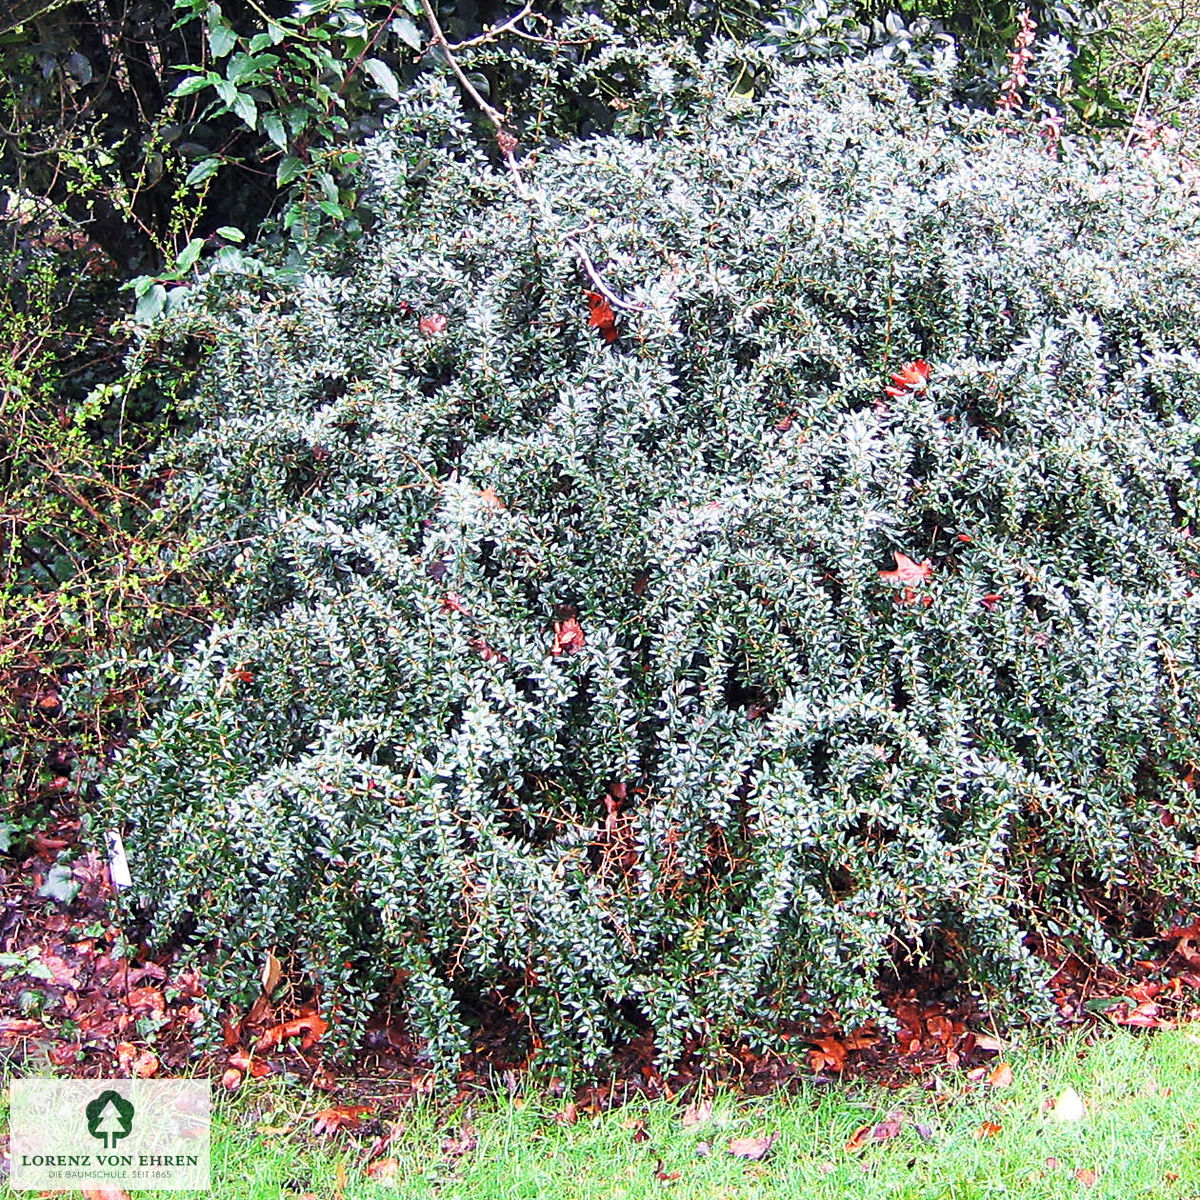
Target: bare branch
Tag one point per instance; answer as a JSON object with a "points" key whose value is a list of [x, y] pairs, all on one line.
{"points": [[508, 143]]}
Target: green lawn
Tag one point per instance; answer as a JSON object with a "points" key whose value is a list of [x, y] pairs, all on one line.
{"points": [[1139, 1135]]}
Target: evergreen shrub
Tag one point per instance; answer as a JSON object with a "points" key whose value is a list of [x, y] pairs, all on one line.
{"points": [[698, 677]]}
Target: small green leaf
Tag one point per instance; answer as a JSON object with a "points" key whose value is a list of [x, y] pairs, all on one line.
{"points": [[59, 885], [39, 970], [332, 210], [231, 233], [189, 254], [272, 124], [289, 167], [382, 74], [407, 32], [190, 85], [221, 38], [151, 304], [206, 168], [246, 109]]}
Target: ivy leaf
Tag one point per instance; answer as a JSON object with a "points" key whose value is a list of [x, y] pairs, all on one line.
{"points": [[189, 254]]}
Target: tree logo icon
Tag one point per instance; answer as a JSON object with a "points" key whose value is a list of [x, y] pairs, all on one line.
{"points": [[109, 1118]]}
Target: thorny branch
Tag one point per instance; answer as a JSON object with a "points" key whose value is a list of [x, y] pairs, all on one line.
{"points": [[508, 143]]}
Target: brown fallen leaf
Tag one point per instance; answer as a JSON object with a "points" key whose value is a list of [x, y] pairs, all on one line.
{"points": [[466, 1141], [858, 1138], [245, 1062], [349, 1116], [272, 973], [829, 1053], [10, 1027], [146, 999], [568, 1115], [889, 1127], [231, 1080], [141, 1063], [697, 1113], [1086, 1176], [988, 1129], [753, 1148], [384, 1171], [309, 1029], [1001, 1076], [664, 1176], [638, 1126]]}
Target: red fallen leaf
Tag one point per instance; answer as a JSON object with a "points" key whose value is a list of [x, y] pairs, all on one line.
{"points": [[231, 1080], [601, 316], [568, 1116], [243, 676], [988, 1129], [913, 376], [753, 1148], [965, 537], [309, 1029], [568, 637], [452, 602], [330, 1120], [245, 1062], [490, 499], [1086, 1176], [104, 1193], [991, 600], [434, 324], [907, 572]]}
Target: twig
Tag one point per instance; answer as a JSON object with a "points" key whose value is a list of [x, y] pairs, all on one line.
{"points": [[508, 144], [495, 31]]}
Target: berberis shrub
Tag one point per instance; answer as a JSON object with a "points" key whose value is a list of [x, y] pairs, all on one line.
{"points": [[693, 678]]}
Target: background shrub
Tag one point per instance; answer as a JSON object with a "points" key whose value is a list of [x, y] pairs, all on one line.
{"points": [[566, 674]]}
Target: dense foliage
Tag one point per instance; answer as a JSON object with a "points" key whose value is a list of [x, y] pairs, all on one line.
{"points": [[677, 669], [165, 128]]}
